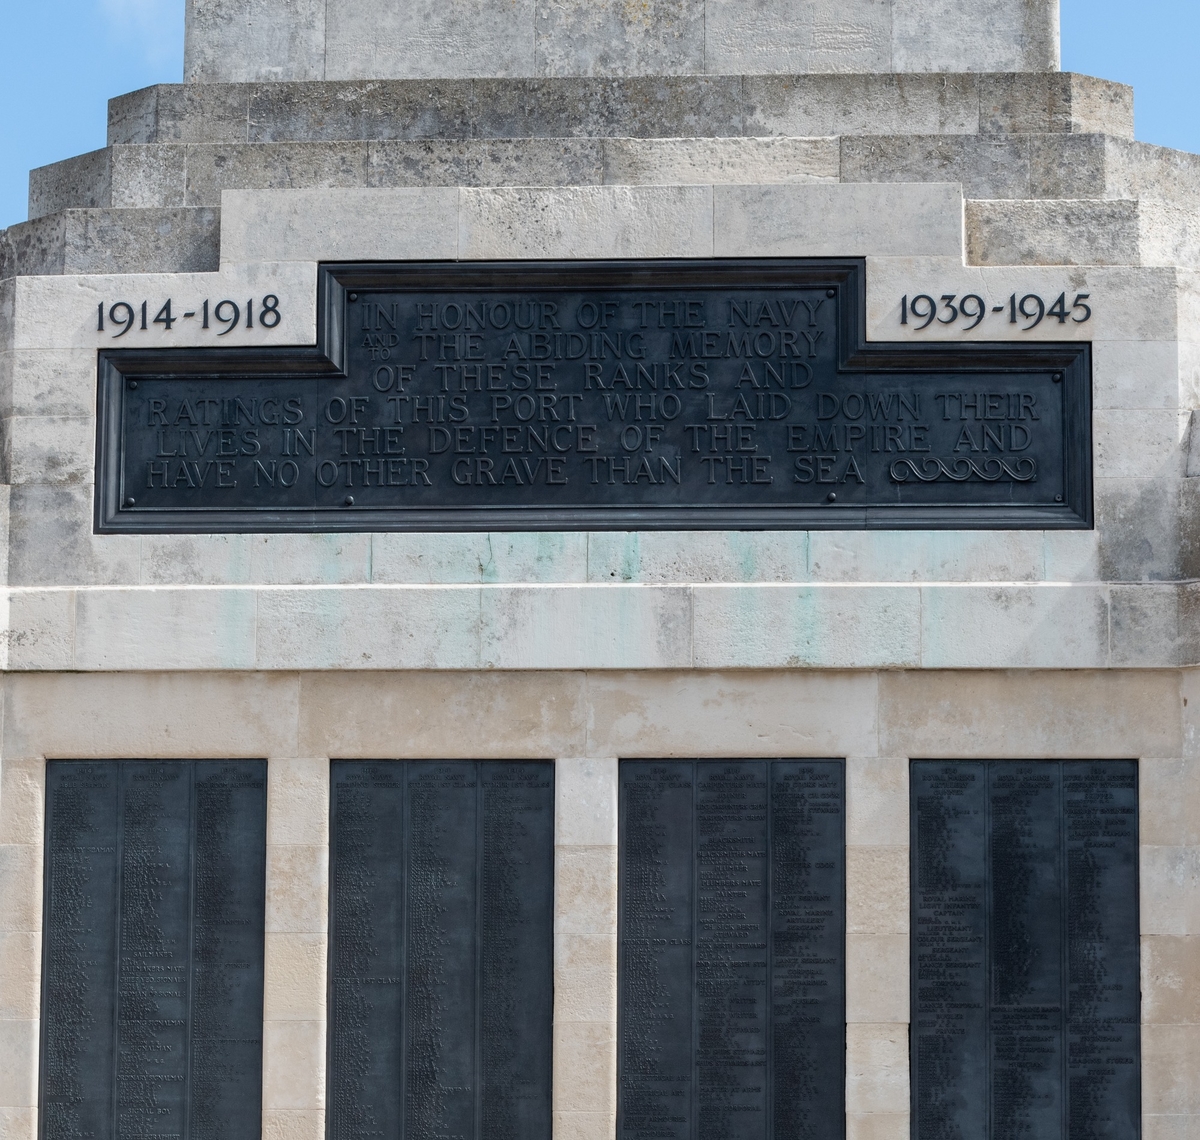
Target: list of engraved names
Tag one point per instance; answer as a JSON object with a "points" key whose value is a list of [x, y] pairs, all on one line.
{"points": [[1025, 950], [731, 974], [153, 981], [441, 944]]}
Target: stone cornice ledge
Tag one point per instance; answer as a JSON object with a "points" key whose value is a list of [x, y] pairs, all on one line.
{"points": [[995, 625]]}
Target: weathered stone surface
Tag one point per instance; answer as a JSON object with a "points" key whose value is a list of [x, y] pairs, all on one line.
{"points": [[180, 112], [730, 160], [608, 221], [34, 247], [1053, 233], [498, 162], [1054, 102], [948, 35], [126, 177], [257, 40], [1090, 231], [422, 38], [316, 225], [1002, 136], [1003, 166], [608, 37], [639, 106], [782, 36], [112, 241], [775, 221], [254, 39], [211, 169], [80, 182]]}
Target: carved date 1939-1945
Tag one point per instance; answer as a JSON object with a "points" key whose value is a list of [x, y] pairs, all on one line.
{"points": [[223, 316], [920, 311]]}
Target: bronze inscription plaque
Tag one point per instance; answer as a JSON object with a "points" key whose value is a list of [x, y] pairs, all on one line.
{"points": [[619, 395], [731, 927]]}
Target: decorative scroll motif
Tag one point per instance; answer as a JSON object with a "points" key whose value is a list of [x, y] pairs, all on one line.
{"points": [[153, 970], [1025, 984], [960, 469], [731, 982], [441, 942]]}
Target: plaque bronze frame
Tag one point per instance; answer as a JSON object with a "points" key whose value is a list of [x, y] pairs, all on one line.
{"points": [[797, 486]]}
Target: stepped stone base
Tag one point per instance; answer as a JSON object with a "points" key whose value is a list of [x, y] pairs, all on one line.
{"points": [[113, 241], [1058, 102], [1047, 162]]}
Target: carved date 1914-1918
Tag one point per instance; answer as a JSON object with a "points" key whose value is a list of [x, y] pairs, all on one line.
{"points": [[222, 317], [592, 395]]}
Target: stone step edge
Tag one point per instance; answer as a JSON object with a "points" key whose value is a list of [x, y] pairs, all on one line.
{"points": [[983, 102], [160, 174], [1088, 231], [105, 240], [1126, 232]]}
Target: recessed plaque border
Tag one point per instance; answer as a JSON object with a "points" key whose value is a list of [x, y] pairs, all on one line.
{"points": [[845, 278]]}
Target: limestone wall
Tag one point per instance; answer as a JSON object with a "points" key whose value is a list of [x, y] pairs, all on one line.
{"points": [[1120, 595], [877, 721], [270, 40]]}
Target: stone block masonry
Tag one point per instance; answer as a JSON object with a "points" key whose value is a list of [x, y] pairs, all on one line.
{"points": [[934, 139], [285, 40]]}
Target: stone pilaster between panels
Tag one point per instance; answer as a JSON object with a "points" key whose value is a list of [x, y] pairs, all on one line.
{"points": [[585, 949], [297, 931], [877, 947], [22, 796], [1169, 832]]}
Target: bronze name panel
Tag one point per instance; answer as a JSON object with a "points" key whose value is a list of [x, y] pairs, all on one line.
{"points": [[152, 968], [594, 395], [731, 933], [441, 949], [1025, 983]]}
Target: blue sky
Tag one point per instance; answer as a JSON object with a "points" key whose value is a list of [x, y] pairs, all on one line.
{"points": [[61, 60]]}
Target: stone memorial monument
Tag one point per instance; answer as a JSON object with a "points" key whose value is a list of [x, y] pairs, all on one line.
{"points": [[582, 570]]}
